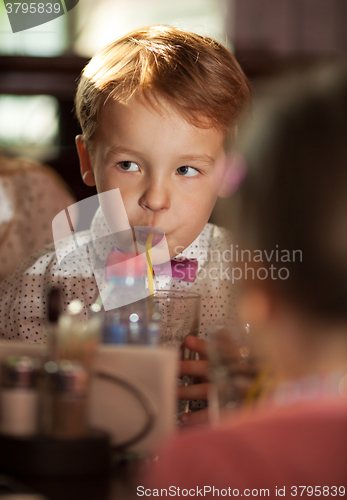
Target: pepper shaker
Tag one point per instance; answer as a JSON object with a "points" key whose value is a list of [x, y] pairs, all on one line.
{"points": [[66, 400]]}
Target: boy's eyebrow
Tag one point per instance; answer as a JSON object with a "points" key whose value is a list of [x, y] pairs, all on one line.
{"points": [[119, 149], [204, 158], [208, 160]]}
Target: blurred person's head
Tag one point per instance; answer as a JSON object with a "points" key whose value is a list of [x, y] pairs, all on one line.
{"points": [[154, 107], [292, 219]]}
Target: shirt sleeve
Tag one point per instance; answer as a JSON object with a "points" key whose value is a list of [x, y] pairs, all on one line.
{"points": [[23, 295]]}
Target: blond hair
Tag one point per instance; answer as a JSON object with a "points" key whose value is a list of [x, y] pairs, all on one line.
{"points": [[198, 76]]}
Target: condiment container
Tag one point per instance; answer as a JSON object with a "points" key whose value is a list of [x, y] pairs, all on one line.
{"points": [[65, 400], [19, 396]]}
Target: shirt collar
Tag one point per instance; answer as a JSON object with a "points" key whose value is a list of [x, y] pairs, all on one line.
{"points": [[199, 248], [309, 388]]}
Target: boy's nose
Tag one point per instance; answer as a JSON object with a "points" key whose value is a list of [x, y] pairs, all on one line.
{"points": [[155, 196]]}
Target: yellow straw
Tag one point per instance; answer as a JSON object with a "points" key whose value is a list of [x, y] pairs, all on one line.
{"points": [[259, 388], [149, 263]]}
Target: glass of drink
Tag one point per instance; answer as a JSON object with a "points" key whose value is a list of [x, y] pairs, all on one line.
{"points": [[232, 368], [180, 316]]}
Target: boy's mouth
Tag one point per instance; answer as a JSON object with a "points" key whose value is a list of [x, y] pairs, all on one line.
{"points": [[143, 237], [142, 233]]}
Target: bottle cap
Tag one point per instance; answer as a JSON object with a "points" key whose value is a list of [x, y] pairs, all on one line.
{"points": [[20, 372], [67, 377]]}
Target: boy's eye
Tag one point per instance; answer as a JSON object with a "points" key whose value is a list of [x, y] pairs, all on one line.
{"points": [[129, 166], [187, 171]]}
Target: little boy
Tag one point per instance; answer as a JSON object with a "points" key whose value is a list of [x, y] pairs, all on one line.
{"points": [[289, 200], [154, 107]]}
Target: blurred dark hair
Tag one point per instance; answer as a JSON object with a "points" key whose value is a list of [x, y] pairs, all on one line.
{"points": [[295, 191]]}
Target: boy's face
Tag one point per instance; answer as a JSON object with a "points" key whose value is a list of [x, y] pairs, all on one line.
{"points": [[165, 168]]}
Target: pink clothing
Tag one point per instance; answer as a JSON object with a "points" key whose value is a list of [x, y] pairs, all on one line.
{"points": [[300, 445]]}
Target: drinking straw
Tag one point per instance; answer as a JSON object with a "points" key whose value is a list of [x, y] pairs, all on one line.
{"points": [[135, 242], [260, 387], [149, 263], [150, 272]]}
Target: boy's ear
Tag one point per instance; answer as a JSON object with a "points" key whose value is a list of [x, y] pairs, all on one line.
{"points": [[234, 171], [85, 163]]}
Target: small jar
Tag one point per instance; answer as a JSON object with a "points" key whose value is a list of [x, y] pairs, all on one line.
{"points": [[66, 400], [19, 396]]}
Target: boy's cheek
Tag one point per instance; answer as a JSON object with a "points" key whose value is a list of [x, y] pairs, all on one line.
{"points": [[106, 183], [204, 205]]}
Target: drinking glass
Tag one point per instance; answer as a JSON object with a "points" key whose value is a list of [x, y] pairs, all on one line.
{"points": [[232, 368], [180, 316]]}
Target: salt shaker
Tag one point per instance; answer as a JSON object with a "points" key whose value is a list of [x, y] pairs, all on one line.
{"points": [[19, 396]]}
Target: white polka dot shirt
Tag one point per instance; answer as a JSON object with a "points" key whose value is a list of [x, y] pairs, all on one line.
{"points": [[23, 305]]}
